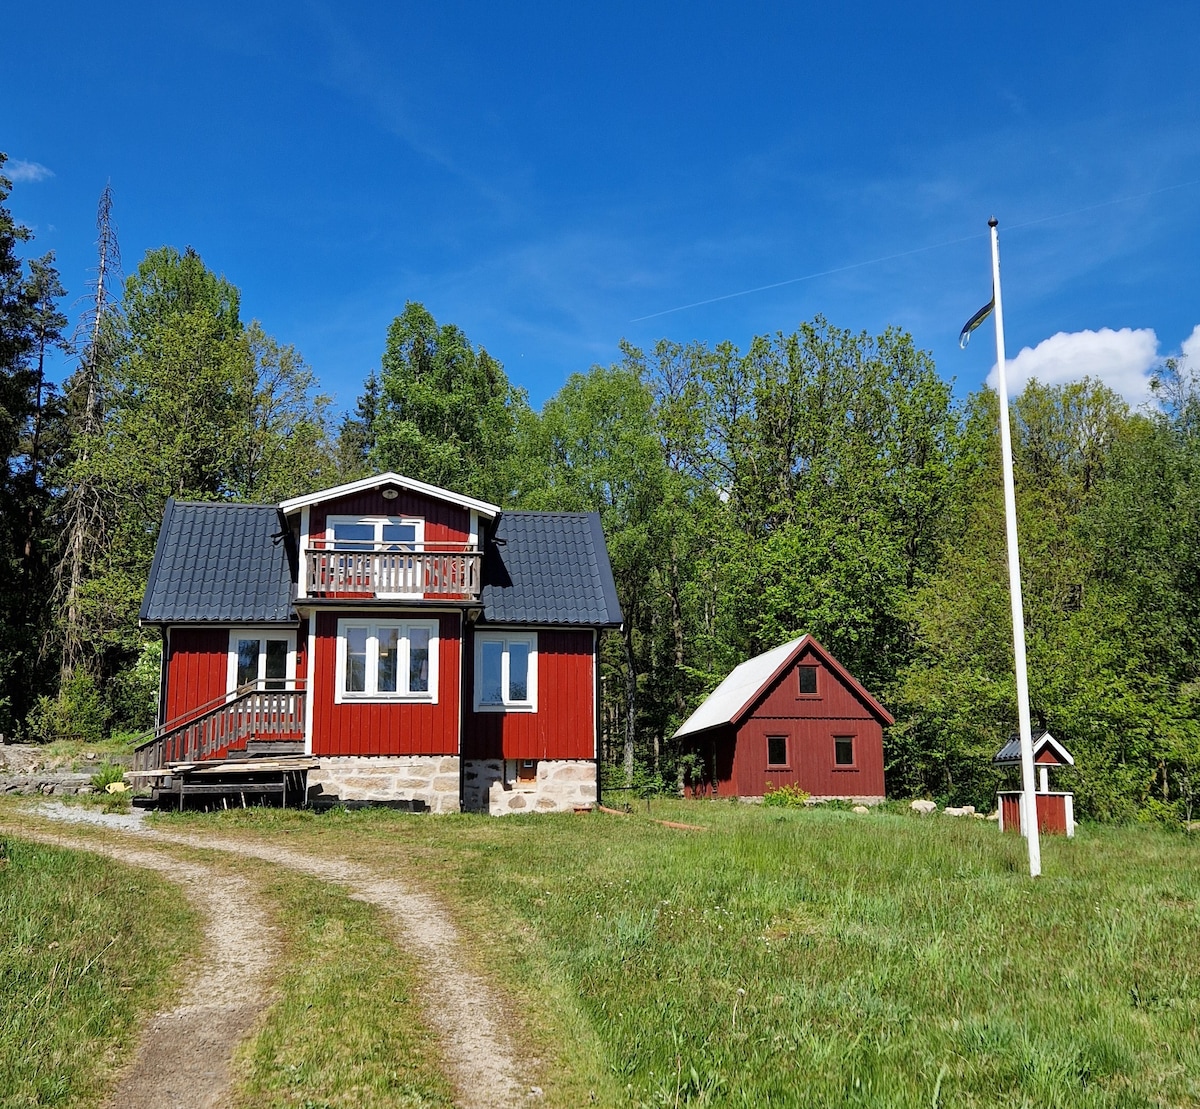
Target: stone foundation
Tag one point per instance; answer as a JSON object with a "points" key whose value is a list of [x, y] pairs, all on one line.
{"points": [[560, 786], [433, 779]]}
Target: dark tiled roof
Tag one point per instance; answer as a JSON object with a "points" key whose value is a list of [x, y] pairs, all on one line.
{"points": [[549, 568], [220, 562]]}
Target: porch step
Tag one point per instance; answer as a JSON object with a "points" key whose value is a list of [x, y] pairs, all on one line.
{"points": [[270, 748]]}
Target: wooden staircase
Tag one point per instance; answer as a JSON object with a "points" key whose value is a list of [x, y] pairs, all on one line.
{"points": [[270, 719], [246, 744]]}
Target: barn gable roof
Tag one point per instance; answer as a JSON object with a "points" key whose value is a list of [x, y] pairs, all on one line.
{"points": [[220, 563], [737, 695]]}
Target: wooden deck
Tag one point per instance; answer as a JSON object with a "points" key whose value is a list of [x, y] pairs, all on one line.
{"points": [[226, 781]]}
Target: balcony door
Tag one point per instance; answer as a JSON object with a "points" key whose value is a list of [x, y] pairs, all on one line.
{"points": [[379, 554]]}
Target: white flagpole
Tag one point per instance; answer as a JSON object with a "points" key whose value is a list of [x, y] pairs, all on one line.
{"points": [[1029, 822]]}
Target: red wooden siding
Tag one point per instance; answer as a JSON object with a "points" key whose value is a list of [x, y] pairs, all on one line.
{"points": [[1051, 810], [564, 726], [198, 666], [395, 728], [197, 669], [444, 523], [1048, 758]]}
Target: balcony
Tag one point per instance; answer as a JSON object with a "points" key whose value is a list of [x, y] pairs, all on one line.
{"points": [[429, 571]]}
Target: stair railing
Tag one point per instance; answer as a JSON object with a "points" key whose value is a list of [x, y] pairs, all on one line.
{"points": [[253, 711]]}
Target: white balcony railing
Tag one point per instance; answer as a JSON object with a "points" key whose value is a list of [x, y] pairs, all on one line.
{"points": [[359, 570]]}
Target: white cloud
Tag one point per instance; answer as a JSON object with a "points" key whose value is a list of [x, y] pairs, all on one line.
{"points": [[1123, 360], [1190, 350], [28, 173]]}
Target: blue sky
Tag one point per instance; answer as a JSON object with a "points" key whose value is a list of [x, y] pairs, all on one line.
{"points": [[556, 177]]}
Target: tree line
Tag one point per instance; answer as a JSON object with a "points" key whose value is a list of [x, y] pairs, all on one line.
{"points": [[822, 481]]}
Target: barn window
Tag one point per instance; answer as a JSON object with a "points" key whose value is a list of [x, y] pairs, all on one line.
{"points": [[505, 671], [843, 750], [386, 660], [777, 750], [526, 770], [808, 679]]}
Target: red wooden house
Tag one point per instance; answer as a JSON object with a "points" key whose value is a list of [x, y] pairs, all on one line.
{"points": [[793, 716], [420, 646]]}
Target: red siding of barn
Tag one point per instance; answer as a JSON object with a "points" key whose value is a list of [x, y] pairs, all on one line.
{"points": [[444, 523], [197, 669], [385, 728], [737, 758], [564, 726]]}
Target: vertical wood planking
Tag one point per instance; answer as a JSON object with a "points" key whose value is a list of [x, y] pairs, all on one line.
{"points": [[386, 728]]}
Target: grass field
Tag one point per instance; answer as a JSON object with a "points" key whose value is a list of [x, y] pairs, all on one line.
{"points": [[815, 957], [86, 947]]}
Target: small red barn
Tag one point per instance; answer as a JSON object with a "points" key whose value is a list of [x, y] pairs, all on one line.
{"points": [[793, 716]]}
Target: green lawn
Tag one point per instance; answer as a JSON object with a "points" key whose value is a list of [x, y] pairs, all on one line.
{"points": [[816, 957], [87, 947]]}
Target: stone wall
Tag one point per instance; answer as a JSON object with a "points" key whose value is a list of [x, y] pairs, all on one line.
{"points": [[433, 779], [560, 786]]}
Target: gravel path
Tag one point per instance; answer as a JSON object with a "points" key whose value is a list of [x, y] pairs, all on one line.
{"points": [[183, 1056], [460, 1005]]}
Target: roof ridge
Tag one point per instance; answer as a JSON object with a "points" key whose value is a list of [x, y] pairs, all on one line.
{"points": [[227, 504]]}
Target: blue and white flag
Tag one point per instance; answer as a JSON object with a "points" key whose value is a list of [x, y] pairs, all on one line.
{"points": [[964, 336]]}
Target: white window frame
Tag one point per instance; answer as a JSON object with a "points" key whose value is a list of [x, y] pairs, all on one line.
{"points": [[506, 637], [372, 695], [262, 635], [378, 522]]}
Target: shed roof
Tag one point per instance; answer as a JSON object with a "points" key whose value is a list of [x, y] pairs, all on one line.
{"points": [[1011, 751], [549, 568], [737, 694], [220, 563]]}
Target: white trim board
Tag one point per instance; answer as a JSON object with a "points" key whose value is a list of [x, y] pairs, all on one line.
{"points": [[490, 511]]}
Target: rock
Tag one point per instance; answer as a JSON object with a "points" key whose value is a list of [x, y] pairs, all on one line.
{"points": [[860, 809], [979, 816], [993, 816], [965, 810], [923, 807]]}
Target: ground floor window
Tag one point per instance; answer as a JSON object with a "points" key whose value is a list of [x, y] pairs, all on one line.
{"points": [[387, 660], [843, 750], [505, 671], [777, 750], [260, 659]]}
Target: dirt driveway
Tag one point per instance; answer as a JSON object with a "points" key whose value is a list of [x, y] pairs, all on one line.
{"points": [[183, 1057]]}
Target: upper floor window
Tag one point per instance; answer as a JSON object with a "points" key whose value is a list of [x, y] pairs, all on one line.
{"points": [[385, 660], [505, 671], [375, 533], [808, 679]]}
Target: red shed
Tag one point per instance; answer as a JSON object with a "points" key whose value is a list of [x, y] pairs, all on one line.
{"points": [[793, 716]]}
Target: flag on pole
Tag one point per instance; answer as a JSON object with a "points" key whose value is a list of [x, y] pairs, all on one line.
{"points": [[964, 336]]}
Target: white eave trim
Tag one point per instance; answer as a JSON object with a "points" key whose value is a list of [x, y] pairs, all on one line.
{"points": [[490, 511]]}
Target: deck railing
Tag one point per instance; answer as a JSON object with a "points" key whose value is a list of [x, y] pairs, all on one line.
{"points": [[366, 570], [254, 712]]}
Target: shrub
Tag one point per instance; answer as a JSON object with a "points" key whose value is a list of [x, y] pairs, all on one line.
{"points": [[788, 797], [107, 774]]}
